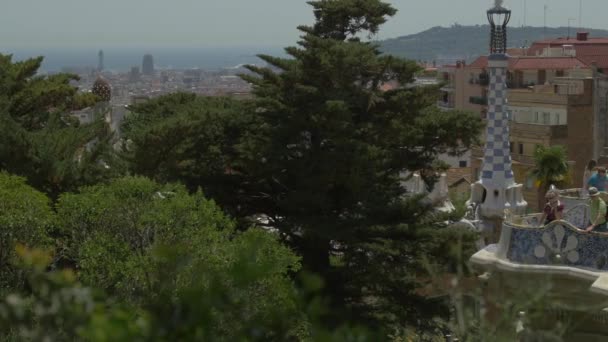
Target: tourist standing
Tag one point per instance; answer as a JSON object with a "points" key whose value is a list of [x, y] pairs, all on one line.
{"points": [[598, 212], [598, 180], [554, 209]]}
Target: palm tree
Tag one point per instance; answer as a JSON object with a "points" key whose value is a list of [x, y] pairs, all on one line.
{"points": [[551, 168]]}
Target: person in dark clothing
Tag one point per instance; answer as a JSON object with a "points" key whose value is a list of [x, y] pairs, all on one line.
{"points": [[554, 209]]}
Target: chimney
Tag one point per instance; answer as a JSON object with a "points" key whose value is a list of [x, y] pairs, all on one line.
{"points": [[582, 36]]}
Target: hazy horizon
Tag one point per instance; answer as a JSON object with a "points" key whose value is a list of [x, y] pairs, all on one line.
{"points": [[123, 58], [237, 23]]}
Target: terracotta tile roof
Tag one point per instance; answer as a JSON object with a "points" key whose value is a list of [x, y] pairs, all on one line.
{"points": [[586, 50], [480, 63], [601, 61], [555, 63], [528, 63], [454, 175]]}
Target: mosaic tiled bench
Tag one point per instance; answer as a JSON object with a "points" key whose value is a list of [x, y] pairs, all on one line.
{"points": [[558, 243]]}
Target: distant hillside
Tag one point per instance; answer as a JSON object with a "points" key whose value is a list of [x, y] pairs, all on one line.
{"points": [[467, 42]]}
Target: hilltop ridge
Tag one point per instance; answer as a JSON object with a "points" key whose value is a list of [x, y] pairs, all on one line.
{"points": [[467, 42]]}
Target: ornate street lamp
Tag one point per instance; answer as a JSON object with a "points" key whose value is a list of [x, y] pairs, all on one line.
{"points": [[498, 17]]}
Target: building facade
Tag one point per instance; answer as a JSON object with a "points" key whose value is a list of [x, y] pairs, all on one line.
{"points": [[147, 65], [554, 99]]}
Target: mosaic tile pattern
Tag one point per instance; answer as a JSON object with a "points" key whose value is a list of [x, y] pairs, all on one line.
{"points": [[578, 216], [559, 244], [497, 157]]}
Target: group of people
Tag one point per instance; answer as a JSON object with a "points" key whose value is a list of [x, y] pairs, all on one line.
{"points": [[554, 210], [596, 181]]}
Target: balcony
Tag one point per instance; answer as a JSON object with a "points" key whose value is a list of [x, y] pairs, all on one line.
{"points": [[529, 96], [479, 100]]}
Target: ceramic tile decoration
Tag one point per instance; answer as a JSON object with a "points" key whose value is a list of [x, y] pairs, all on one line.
{"points": [[559, 244], [497, 157]]}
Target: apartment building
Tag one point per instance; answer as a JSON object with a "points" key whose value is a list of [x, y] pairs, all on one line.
{"points": [[555, 98]]}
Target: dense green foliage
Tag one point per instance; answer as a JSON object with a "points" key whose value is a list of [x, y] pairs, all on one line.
{"points": [[334, 148], [550, 168], [59, 308], [39, 139], [25, 218], [320, 155], [173, 259], [113, 231], [190, 139], [310, 172]]}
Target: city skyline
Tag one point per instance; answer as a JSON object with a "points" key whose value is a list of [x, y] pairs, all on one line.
{"points": [[114, 23]]}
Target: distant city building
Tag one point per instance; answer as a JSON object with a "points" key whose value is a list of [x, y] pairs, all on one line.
{"points": [[590, 50], [192, 76], [147, 65], [164, 77], [100, 65], [134, 74]]}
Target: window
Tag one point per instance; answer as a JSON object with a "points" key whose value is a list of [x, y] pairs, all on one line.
{"points": [[511, 144], [546, 118], [559, 73], [462, 163], [521, 148]]}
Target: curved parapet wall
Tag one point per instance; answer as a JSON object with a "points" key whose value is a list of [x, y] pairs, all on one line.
{"points": [[560, 244], [577, 215], [573, 197]]}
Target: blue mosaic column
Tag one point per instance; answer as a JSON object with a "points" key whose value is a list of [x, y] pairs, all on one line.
{"points": [[496, 189], [496, 169]]}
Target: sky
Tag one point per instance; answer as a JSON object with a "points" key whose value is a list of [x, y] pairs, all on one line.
{"points": [[116, 23]]}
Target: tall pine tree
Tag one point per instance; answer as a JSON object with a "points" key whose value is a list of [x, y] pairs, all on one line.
{"points": [[326, 161]]}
